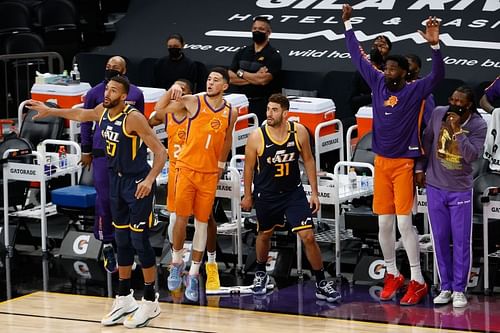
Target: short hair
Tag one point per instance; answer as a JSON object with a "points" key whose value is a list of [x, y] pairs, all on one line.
{"points": [[400, 60], [222, 71], [177, 36], [123, 81], [280, 99], [469, 93], [187, 82], [262, 19], [387, 40], [415, 58]]}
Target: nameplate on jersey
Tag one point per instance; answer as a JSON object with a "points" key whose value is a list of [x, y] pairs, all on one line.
{"points": [[160, 131], [330, 142], [325, 193]]}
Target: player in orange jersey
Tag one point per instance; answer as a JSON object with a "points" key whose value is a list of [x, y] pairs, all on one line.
{"points": [[199, 167]]}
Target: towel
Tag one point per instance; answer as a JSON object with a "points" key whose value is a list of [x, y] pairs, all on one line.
{"points": [[492, 142]]}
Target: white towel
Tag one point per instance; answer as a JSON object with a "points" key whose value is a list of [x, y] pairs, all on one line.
{"points": [[492, 142]]}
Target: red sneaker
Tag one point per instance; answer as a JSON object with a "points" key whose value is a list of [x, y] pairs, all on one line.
{"points": [[415, 293], [391, 286]]}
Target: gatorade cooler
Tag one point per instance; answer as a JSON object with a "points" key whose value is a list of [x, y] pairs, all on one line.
{"points": [[64, 96], [240, 102], [151, 96], [310, 112], [364, 120]]}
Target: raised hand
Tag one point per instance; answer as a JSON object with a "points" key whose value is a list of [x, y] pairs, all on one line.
{"points": [[431, 34], [40, 107], [346, 12], [176, 92]]}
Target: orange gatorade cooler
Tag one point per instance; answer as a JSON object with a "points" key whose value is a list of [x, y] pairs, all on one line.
{"points": [[311, 111], [364, 120], [64, 96], [151, 96], [240, 102]]}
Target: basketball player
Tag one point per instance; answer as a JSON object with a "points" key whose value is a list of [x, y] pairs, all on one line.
{"points": [[132, 184], [272, 165], [199, 167]]}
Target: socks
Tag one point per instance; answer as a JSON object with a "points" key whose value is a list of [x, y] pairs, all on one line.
{"points": [[211, 256], [387, 240], [123, 287], [410, 242], [177, 256], [149, 291], [105, 245], [195, 268], [261, 267], [319, 275]]}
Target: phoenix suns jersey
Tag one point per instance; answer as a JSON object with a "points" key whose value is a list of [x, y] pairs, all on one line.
{"points": [[176, 136]]}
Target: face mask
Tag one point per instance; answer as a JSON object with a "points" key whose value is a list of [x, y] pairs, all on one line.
{"points": [[259, 37], [174, 52], [111, 73], [460, 110], [376, 57]]}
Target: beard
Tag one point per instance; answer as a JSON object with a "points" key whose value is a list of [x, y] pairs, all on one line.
{"points": [[110, 104], [275, 122], [392, 84]]}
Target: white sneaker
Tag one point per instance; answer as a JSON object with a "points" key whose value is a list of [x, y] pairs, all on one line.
{"points": [[122, 306], [147, 311], [444, 297], [459, 300]]}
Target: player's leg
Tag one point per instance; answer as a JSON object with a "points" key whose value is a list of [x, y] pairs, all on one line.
{"points": [[213, 281]]}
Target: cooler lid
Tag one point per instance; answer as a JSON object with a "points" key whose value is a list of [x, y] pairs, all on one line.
{"points": [[55, 89], [311, 104], [365, 112], [236, 100], [152, 94]]}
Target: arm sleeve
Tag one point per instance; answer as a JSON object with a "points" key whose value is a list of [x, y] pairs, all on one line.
{"points": [[138, 98], [360, 61], [86, 132], [493, 90], [472, 146], [436, 75], [427, 139]]}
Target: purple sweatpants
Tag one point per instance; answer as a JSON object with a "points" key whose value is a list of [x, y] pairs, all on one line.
{"points": [[103, 229], [450, 217]]}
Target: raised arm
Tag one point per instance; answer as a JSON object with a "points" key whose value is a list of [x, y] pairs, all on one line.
{"points": [[310, 165], [188, 102], [136, 123], [490, 94], [251, 149], [431, 35], [71, 114]]}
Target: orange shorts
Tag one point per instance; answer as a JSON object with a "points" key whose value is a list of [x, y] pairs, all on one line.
{"points": [[195, 193], [172, 172], [393, 187]]}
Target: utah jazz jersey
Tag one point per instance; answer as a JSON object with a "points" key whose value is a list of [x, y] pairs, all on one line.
{"points": [[176, 136], [126, 152], [206, 132], [278, 163]]}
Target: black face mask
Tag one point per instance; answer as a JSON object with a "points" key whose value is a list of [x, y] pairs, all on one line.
{"points": [[459, 110], [111, 73], [376, 57], [258, 37], [174, 52]]}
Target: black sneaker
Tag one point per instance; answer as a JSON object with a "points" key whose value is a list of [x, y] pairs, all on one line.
{"points": [[109, 259], [260, 282], [325, 290]]}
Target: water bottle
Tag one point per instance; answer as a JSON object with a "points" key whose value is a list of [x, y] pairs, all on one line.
{"points": [[364, 182], [353, 181], [75, 74], [63, 158]]}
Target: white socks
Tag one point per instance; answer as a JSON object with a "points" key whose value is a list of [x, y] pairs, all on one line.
{"points": [[410, 242], [387, 240], [211, 256], [195, 268]]}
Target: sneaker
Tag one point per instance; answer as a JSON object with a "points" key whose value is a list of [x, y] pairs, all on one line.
{"points": [[122, 306], [147, 310], [416, 291], [213, 282], [174, 280], [109, 259], [391, 286], [192, 287], [325, 290], [444, 297], [459, 299], [260, 282]]}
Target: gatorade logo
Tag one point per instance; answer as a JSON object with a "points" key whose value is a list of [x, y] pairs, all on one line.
{"points": [[376, 270], [81, 268], [81, 244]]}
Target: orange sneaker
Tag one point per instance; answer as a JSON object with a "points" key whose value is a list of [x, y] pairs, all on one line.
{"points": [[391, 286], [415, 293]]}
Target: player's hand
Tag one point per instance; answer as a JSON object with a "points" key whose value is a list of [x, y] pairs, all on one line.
{"points": [[246, 203], [86, 160], [143, 188], [346, 12], [420, 179], [40, 107], [263, 69], [314, 203], [453, 120], [175, 92], [431, 34]]}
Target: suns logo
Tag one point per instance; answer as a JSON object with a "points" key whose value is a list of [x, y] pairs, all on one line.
{"points": [[392, 101], [215, 124], [181, 134]]}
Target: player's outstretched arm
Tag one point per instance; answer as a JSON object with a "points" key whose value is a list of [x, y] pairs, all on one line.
{"points": [[45, 111]]}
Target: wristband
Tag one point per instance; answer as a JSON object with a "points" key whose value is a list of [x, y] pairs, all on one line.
{"points": [[435, 46], [222, 165]]}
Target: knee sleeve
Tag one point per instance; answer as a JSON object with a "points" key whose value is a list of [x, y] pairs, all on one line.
{"points": [[200, 236], [386, 225], [142, 246], [171, 224], [124, 249]]}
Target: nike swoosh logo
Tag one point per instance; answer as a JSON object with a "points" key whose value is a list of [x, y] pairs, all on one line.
{"points": [[138, 181], [272, 144], [412, 148], [387, 113]]}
